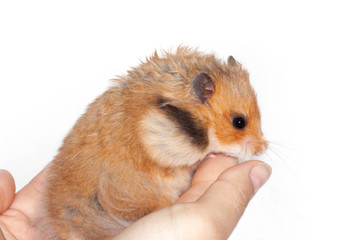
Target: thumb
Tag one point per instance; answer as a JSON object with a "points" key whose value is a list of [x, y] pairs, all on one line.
{"points": [[229, 195], [7, 190]]}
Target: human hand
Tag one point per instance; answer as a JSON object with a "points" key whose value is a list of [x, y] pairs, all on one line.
{"points": [[210, 209], [17, 211]]}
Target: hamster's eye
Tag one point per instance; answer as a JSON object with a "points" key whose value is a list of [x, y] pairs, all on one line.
{"points": [[239, 122]]}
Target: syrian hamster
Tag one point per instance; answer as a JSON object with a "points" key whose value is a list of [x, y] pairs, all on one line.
{"points": [[137, 146]]}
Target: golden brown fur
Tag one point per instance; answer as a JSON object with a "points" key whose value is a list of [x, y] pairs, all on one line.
{"points": [[110, 171]]}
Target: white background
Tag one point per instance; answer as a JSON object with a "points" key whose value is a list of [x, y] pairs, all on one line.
{"points": [[304, 63]]}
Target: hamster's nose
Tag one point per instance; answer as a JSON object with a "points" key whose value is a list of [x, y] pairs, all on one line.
{"points": [[259, 152], [262, 149]]}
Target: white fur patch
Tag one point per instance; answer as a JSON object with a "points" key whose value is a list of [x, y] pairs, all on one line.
{"points": [[166, 144], [169, 147]]}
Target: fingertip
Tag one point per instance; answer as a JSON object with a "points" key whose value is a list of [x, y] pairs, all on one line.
{"points": [[257, 172], [234, 188], [7, 190], [7, 179], [259, 175]]}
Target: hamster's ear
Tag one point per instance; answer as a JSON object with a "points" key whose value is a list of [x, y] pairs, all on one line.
{"points": [[203, 86], [231, 61]]}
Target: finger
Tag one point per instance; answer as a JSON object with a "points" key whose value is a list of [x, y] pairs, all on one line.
{"points": [[28, 199], [212, 167], [7, 190], [206, 175], [227, 198], [2, 237]]}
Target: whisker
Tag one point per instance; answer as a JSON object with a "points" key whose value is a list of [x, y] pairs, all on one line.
{"points": [[277, 154], [280, 157], [269, 156], [278, 144]]}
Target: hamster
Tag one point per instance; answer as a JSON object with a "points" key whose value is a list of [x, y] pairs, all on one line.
{"points": [[137, 146]]}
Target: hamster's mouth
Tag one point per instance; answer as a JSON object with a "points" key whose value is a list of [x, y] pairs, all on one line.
{"points": [[226, 154]]}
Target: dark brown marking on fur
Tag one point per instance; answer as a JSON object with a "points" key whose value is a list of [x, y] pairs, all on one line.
{"points": [[97, 203], [71, 211], [186, 123]]}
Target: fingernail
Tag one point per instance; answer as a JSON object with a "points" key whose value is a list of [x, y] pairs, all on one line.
{"points": [[259, 175]]}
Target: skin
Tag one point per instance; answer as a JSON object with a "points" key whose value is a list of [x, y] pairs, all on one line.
{"points": [[210, 209]]}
